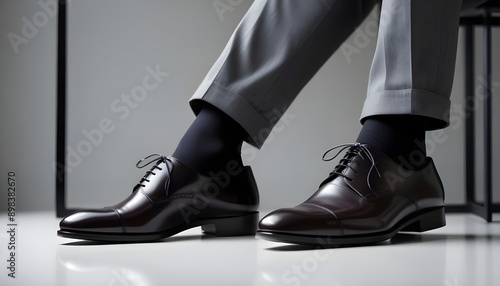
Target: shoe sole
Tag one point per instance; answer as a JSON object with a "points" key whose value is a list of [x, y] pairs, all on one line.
{"points": [[225, 226], [418, 222]]}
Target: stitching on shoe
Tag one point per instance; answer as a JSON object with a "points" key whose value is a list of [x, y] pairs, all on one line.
{"points": [[407, 197], [178, 196], [330, 212], [146, 195], [121, 219]]}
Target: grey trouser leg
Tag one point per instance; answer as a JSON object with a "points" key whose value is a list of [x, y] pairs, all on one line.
{"points": [[413, 67], [279, 45]]}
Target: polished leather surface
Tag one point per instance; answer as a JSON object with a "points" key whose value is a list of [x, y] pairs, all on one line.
{"points": [[170, 197], [363, 199]]}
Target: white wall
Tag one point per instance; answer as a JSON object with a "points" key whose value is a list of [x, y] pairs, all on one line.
{"points": [[111, 43]]}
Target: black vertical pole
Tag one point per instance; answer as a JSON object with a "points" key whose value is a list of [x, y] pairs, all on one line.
{"points": [[61, 111], [470, 114], [488, 178]]}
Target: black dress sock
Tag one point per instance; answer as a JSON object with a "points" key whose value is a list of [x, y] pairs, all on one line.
{"points": [[401, 137], [211, 142]]}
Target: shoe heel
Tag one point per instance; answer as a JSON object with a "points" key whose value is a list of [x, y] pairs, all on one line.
{"points": [[233, 226], [430, 220]]}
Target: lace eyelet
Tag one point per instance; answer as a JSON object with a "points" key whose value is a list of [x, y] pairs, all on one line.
{"points": [[349, 159], [158, 158]]}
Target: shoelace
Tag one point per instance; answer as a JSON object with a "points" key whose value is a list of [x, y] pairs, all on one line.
{"points": [[344, 163], [157, 159]]}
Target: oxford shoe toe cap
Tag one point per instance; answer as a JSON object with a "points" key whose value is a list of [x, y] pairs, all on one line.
{"points": [[305, 219], [103, 220]]}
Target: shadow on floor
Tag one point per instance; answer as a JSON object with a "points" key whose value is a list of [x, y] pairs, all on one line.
{"points": [[400, 238]]}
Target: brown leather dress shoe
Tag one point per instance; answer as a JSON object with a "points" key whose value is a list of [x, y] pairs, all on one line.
{"points": [[367, 198], [169, 199]]}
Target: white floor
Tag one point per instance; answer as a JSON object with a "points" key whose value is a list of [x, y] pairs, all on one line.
{"points": [[465, 252]]}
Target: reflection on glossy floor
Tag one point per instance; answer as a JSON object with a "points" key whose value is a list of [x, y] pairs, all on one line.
{"points": [[465, 252]]}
